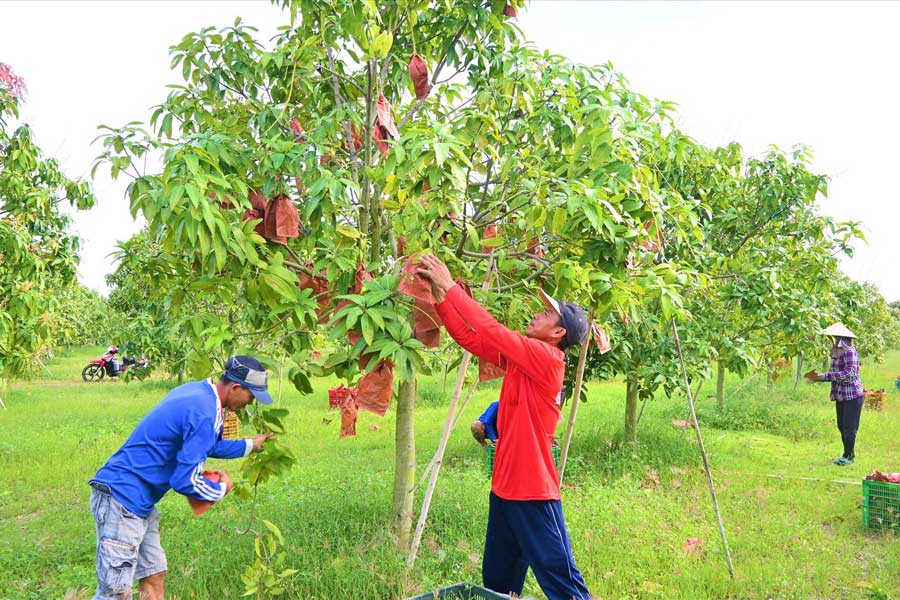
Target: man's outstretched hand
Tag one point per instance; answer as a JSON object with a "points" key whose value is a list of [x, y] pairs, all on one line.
{"points": [[259, 440], [435, 271]]}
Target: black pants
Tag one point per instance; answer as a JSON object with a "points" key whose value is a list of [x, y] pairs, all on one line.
{"points": [[848, 413]]}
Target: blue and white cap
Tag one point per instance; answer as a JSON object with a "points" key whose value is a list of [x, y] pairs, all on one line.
{"points": [[249, 372], [573, 320]]}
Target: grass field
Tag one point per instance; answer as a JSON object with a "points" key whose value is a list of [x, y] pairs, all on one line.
{"points": [[629, 513]]}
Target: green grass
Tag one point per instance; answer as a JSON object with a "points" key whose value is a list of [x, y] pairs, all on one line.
{"points": [[629, 513]]}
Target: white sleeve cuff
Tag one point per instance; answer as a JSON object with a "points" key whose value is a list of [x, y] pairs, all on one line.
{"points": [[249, 448]]}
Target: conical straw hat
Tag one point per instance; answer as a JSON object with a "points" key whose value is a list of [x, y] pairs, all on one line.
{"points": [[838, 330]]}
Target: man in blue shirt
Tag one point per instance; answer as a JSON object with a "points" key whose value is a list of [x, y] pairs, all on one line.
{"points": [[485, 427], [166, 451]]}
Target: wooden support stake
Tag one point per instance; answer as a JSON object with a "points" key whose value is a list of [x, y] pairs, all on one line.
{"points": [[442, 446], [799, 372], [280, 380], [579, 381], [709, 479], [459, 413], [465, 403]]}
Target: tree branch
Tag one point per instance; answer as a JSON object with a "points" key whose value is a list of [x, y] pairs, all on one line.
{"points": [[339, 101]]}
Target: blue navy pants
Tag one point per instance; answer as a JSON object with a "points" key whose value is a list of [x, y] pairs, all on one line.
{"points": [[530, 533]]}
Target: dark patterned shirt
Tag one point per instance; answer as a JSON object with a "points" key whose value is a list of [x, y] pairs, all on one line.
{"points": [[844, 376]]}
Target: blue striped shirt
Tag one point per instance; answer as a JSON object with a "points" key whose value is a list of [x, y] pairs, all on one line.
{"points": [[167, 450]]}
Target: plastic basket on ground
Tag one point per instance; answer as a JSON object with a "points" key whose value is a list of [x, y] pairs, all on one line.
{"points": [[338, 396], [461, 591], [231, 427], [491, 448], [881, 505], [875, 399]]}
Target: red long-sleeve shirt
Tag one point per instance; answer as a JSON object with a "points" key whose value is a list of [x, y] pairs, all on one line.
{"points": [[529, 410]]}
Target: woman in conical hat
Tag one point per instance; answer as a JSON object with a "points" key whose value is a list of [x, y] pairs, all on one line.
{"points": [[846, 387]]}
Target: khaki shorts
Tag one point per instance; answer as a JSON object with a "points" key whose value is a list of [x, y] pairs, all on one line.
{"points": [[128, 546]]}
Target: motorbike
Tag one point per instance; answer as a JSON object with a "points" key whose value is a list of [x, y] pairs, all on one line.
{"points": [[108, 365]]}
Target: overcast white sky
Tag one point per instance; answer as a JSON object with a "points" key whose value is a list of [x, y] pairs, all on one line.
{"points": [[759, 73]]}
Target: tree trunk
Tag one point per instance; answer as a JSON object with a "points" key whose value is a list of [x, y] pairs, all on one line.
{"points": [[631, 404], [405, 463], [799, 372], [720, 385]]}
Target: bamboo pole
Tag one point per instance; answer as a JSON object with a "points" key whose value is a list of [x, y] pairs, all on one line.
{"points": [[641, 414], [442, 446], [799, 372], [579, 381], [465, 403], [459, 413], [280, 380], [709, 479]]}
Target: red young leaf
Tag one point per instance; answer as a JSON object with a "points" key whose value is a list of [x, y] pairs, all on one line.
{"points": [[355, 137], [379, 136], [385, 117], [491, 231], [418, 72], [656, 243], [11, 81], [296, 128]]}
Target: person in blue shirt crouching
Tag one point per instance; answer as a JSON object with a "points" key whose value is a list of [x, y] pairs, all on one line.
{"points": [[484, 429], [166, 451]]}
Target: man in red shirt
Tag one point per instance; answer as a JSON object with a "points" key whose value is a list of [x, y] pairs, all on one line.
{"points": [[525, 521]]}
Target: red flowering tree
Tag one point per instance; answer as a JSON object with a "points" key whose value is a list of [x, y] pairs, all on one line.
{"points": [[37, 255]]}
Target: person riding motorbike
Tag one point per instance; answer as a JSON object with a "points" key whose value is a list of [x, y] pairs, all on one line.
{"points": [[112, 363]]}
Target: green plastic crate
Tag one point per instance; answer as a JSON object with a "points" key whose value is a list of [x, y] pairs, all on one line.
{"points": [[881, 505], [490, 449], [461, 591]]}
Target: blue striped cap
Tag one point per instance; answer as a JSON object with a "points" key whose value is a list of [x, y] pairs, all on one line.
{"points": [[249, 372]]}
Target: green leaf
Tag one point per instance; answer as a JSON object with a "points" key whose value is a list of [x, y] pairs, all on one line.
{"points": [[560, 216], [199, 365], [367, 329], [279, 285], [440, 152], [347, 231]]}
